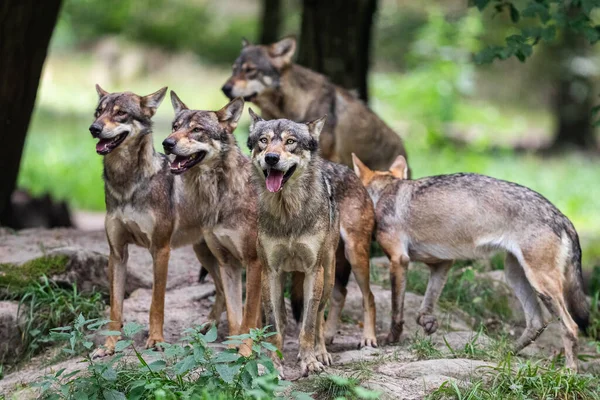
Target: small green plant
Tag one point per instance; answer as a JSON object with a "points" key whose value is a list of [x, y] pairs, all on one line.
{"points": [[44, 305], [529, 380], [594, 327], [14, 279], [194, 370], [327, 387], [423, 348]]}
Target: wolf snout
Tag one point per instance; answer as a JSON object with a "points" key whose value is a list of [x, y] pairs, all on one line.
{"points": [[271, 158], [169, 144], [227, 90], [95, 129]]}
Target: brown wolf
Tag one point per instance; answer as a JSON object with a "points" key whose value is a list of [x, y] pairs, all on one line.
{"points": [[298, 228], [145, 203], [216, 173], [266, 76], [438, 219]]}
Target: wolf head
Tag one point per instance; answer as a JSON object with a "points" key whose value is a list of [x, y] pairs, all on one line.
{"points": [[200, 136], [376, 181], [282, 149], [122, 116], [258, 68]]}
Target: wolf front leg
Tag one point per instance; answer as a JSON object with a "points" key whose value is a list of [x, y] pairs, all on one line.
{"points": [[313, 292], [210, 263], [321, 352], [117, 274], [253, 299], [160, 258], [274, 308]]}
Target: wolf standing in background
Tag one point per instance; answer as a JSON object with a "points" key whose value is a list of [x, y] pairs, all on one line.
{"points": [[298, 228], [266, 76], [217, 175], [145, 203], [465, 216]]}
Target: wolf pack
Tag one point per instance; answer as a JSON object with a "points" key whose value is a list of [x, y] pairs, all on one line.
{"points": [[325, 177]]}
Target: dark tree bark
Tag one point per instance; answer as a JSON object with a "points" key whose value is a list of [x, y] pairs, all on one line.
{"points": [[335, 40], [270, 21], [574, 96], [25, 30]]}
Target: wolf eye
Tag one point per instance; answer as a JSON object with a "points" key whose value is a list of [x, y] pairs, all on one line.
{"points": [[197, 130], [263, 140], [290, 141], [121, 113]]}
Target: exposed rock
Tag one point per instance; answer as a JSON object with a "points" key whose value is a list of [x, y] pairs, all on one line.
{"points": [[10, 336]]}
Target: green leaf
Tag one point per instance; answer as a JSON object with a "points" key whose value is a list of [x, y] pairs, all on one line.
{"points": [[157, 366], [227, 372], [111, 394], [363, 393], [252, 368], [269, 346], [59, 372], [549, 33], [211, 335], [131, 328], [226, 357], [339, 380], [481, 4], [185, 365], [122, 345], [109, 374], [137, 393], [80, 396]]}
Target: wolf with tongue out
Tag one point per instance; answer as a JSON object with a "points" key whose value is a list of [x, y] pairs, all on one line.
{"points": [[299, 228]]}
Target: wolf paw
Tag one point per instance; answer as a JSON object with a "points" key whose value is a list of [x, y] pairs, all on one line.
{"points": [[102, 352], [323, 355], [428, 322], [151, 343], [368, 342], [310, 365]]}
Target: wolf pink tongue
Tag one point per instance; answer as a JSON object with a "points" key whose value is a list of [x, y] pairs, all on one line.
{"points": [[101, 145], [274, 180]]}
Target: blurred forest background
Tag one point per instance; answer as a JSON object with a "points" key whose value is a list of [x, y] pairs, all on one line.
{"points": [[501, 119]]}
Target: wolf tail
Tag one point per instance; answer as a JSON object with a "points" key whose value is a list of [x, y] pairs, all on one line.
{"points": [[577, 303], [297, 295]]}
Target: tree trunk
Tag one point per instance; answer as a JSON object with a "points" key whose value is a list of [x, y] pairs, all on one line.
{"points": [[270, 21], [574, 95], [335, 40], [25, 30]]}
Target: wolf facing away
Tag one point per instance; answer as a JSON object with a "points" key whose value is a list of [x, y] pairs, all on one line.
{"points": [[298, 228], [266, 76], [438, 219], [145, 203], [217, 175]]}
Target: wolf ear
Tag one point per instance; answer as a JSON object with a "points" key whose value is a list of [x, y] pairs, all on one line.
{"points": [[101, 92], [246, 42], [315, 127], [360, 169], [231, 113], [178, 105], [399, 168], [151, 102], [255, 118], [283, 51]]}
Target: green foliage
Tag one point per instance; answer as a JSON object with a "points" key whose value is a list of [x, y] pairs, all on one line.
{"points": [[529, 380], [14, 279], [545, 18], [327, 387], [44, 306], [423, 347], [174, 25], [194, 371]]}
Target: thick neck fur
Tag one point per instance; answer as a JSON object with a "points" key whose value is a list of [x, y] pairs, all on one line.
{"points": [[220, 183], [301, 201], [295, 94], [129, 164], [377, 187]]}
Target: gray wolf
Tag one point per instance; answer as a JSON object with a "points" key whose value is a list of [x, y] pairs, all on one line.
{"points": [[266, 76], [145, 204], [216, 174], [438, 219], [298, 228]]}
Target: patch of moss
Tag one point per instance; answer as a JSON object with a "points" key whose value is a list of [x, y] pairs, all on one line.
{"points": [[13, 277]]}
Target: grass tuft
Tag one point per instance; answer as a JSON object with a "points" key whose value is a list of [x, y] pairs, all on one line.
{"points": [[15, 279]]}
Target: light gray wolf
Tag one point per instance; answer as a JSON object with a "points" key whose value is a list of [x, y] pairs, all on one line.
{"points": [[145, 204], [439, 219], [266, 76], [298, 228]]}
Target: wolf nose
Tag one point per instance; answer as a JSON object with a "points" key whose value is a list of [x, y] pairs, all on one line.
{"points": [[227, 89], [271, 158], [169, 144], [95, 130]]}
